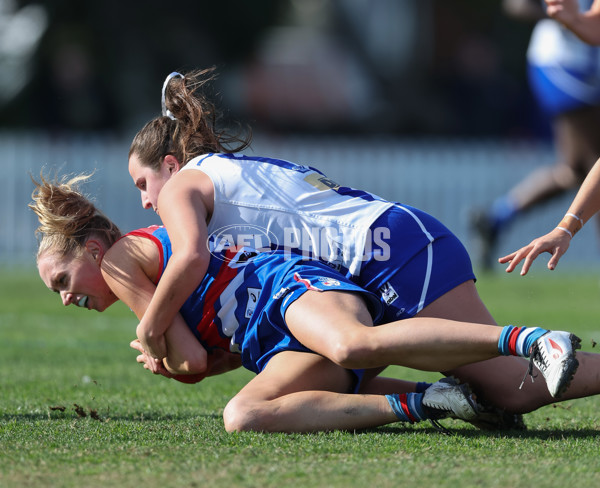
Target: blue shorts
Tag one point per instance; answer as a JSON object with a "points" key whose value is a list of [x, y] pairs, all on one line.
{"points": [[418, 261], [267, 333], [559, 90]]}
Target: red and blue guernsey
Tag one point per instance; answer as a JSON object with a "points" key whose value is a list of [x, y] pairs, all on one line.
{"points": [[240, 303]]}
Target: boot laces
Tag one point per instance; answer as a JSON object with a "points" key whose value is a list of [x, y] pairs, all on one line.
{"points": [[535, 352]]}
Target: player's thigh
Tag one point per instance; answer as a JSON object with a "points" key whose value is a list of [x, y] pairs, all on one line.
{"points": [[462, 303], [290, 371], [578, 139], [322, 320], [498, 382]]}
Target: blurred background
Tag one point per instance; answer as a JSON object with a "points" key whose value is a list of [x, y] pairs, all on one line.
{"points": [[425, 102]]}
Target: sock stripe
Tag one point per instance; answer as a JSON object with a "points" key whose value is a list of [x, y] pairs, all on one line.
{"points": [[512, 341], [502, 342], [407, 406], [416, 406], [404, 404], [522, 341], [536, 333], [517, 341]]}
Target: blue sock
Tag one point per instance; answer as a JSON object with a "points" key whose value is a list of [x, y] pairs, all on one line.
{"points": [[408, 407], [503, 211], [422, 386], [517, 341]]}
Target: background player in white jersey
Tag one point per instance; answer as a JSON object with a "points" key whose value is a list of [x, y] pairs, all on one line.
{"points": [[564, 76], [426, 272], [83, 257], [556, 242]]}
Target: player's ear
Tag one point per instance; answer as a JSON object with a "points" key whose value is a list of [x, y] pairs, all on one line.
{"points": [[172, 163], [95, 249]]}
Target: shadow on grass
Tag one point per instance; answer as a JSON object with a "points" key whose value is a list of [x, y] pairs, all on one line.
{"points": [[467, 433], [542, 434], [72, 414]]}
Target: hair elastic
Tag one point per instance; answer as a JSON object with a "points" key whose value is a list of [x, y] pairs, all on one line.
{"points": [[166, 112]]}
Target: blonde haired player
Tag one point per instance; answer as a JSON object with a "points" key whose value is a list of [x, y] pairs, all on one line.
{"points": [[181, 164], [273, 309]]}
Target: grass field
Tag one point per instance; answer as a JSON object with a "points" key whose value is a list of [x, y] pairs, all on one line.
{"points": [[76, 410]]}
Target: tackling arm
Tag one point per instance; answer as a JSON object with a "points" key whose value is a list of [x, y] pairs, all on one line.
{"points": [[182, 210], [129, 268]]}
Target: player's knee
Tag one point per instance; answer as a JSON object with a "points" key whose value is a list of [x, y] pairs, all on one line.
{"points": [[234, 416], [566, 177], [352, 351], [242, 416]]}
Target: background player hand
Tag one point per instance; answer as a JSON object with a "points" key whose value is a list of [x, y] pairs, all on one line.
{"points": [[555, 242], [565, 11]]}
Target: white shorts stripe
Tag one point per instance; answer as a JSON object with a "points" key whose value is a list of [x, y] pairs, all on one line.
{"points": [[229, 304], [429, 257]]}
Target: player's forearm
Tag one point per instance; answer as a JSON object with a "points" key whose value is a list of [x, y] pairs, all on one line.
{"points": [[587, 201], [180, 279], [592, 26], [220, 362], [186, 366], [185, 354], [586, 26]]}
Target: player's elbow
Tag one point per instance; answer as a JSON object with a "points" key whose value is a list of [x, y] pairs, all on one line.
{"points": [[195, 260], [191, 364]]}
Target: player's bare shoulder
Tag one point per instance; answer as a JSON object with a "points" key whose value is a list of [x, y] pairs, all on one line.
{"points": [[132, 251], [195, 184]]}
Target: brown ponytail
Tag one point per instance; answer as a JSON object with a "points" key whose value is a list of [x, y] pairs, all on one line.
{"points": [[194, 130], [67, 217]]}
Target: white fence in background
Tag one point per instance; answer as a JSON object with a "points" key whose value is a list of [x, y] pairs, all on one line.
{"points": [[447, 178]]}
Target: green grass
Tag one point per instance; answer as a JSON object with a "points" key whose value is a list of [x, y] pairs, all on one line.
{"points": [[76, 410]]}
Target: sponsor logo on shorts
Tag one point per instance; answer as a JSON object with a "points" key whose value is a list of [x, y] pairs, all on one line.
{"points": [[388, 293], [306, 282], [284, 290], [329, 281], [253, 295]]}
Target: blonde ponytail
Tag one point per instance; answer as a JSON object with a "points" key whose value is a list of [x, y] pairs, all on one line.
{"points": [[67, 217]]}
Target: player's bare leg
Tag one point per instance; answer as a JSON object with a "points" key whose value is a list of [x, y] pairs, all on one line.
{"points": [[304, 392], [337, 326], [498, 381]]}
